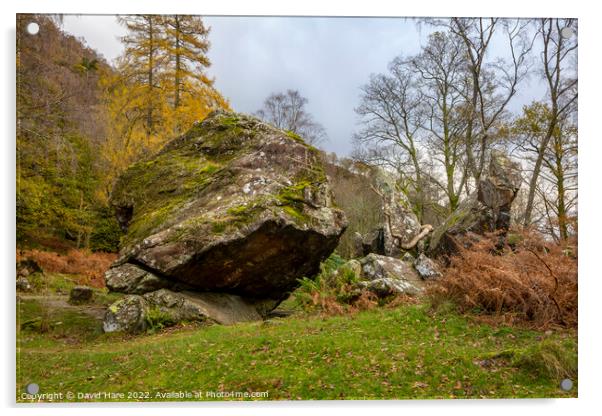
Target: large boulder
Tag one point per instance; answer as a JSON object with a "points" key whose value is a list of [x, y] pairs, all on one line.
{"points": [[486, 210], [233, 206]]}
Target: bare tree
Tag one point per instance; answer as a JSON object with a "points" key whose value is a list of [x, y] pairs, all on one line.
{"points": [[492, 81], [445, 107], [287, 111], [442, 77], [559, 52], [415, 109], [391, 124]]}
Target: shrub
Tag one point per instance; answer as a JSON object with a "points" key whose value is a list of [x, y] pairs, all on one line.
{"points": [[89, 266], [106, 233], [534, 281], [333, 291], [157, 319]]}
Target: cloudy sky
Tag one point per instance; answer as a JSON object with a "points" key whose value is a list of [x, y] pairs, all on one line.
{"points": [[326, 59]]}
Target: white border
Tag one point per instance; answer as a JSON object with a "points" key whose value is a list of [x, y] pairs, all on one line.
{"points": [[590, 205]]}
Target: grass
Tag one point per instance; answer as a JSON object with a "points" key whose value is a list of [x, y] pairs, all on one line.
{"points": [[45, 319], [402, 353]]}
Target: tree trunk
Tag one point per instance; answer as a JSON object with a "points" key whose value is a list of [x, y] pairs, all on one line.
{"points": [[178, 58], [151, 63], [560, 203], [537, 168]]}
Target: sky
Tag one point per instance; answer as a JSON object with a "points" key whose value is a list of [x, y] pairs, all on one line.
{"points": [[326, 59]]}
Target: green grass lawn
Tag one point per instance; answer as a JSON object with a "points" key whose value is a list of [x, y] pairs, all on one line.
{"points": [[408, 352]]}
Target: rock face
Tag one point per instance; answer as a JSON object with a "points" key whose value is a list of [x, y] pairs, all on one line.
{"points": [[387, 275], [233, 206], [486, 210], [498, 190], [400, 225]]}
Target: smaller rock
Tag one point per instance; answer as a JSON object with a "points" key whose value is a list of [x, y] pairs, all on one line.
{"points": [[23, 284], [81, 294], [128, 314], [387, 275], [135, 313], [407, 257], [426, 268], [386, 286], [27, 267]]}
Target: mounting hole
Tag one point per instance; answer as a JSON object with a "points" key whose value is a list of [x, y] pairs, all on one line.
{"points": [[567, 32], [566, 384], [32, 388], [32, 28]]}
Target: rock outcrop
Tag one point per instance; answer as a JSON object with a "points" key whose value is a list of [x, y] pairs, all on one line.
{"points": [[234, 207], [128, 314], [486, 210], [400, 229]]}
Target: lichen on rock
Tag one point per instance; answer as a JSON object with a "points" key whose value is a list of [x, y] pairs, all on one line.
{"points": [[388, 275]]}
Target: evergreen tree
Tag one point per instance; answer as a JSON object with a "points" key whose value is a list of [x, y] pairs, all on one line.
{"points": [[143, 62], [187, 48], [189, 89]]}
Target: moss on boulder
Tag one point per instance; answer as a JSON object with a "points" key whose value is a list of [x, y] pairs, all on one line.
{"points": [[234, 205]]}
